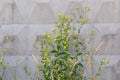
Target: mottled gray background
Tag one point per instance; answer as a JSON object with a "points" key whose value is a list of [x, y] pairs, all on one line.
{"points": [[24, 19]]}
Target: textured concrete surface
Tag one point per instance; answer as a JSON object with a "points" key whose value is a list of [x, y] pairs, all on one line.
{"points": [[109, 71], [23, 36], [45, 11], [24, 19]]}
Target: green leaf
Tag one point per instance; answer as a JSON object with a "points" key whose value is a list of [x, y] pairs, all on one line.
{"points": [[58, 47], [81, 65], [53, 51], [1, 78], [79, 53]]}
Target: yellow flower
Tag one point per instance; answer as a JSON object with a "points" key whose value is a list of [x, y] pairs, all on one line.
{"points": [[46, 74], [66, 16], [48, 60], [90, 62], [76, 33], [1, 60], [57, 34], [5, 50], [60, 15], [83, 20], [65, 47], [55, 40], [6, 37], [70, 60], [103, 61], [86, 55], [58, 24], [87, 8], [63, 32], [67, 38], [56, 65], [43, 63], [48, 36], [63, 71], [64, 42], [46, 54], [74, 41]]}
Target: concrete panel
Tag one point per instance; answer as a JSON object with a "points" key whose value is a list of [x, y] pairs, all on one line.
{"points": [[42, 13], [106, 13], [108, 35]]}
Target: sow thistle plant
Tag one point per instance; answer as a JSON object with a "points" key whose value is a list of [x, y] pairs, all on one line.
{"points": [[56, 60], [3, 65]]}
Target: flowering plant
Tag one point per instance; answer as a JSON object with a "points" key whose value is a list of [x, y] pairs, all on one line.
{"points": [[3, 65], [57, 62]]}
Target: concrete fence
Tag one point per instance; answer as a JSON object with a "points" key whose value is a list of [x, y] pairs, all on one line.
{"points": [[24, 19]]}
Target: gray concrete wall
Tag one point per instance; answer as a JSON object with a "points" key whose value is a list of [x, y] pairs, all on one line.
{"points": [[24, 19]]}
